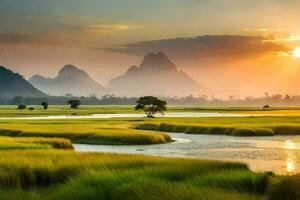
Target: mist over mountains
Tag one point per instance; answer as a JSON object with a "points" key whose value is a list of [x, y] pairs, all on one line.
{"points": [[156, 75], [14, 89], [70, 79]]}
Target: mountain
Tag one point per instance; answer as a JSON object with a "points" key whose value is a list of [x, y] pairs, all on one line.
{"points": [[156, 75], [13, 84], [71, 80]]}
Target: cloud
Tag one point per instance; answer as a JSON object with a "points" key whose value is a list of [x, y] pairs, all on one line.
{"points": [[83, 35], [106, 28], [55, 29], [287, 38], [207, 46], [34, 38]]}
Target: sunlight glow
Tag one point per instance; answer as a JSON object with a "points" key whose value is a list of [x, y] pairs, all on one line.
{"points": [[291, 158], [291, 162], [297, 52], [289, 144]]}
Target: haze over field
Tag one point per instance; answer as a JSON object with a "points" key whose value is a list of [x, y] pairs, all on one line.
{"points": [[220, 44]]}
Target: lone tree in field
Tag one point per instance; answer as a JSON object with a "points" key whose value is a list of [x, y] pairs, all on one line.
{"points": [[74, 103], [21, 107], [266, 106], [151, 105], [45, 105]]}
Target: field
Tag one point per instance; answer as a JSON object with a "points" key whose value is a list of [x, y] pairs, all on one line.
{"points": [[88, 131], [9, 143], [235, 126], [12, 111], [38, 161], [56, 174]]}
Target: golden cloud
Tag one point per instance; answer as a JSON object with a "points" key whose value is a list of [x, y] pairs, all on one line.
{"points": [[100, 28]]}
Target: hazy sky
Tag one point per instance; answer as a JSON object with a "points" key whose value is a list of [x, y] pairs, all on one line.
{"points": [[40, 36]]}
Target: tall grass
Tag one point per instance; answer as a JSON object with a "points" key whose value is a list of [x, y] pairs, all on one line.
{"points": [[9, 143], [114, 132], [236, 126], [213, 130], [69, 175], [137, 186]]}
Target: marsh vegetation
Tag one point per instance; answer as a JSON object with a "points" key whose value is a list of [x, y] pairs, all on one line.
{"points": [[38, 161], [70, 175]]}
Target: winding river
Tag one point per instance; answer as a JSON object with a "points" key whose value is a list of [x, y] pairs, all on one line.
{"points": [[280, 154]]}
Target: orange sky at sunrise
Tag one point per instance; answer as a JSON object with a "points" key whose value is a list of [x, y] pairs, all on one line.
{"points": [[105, 38]]}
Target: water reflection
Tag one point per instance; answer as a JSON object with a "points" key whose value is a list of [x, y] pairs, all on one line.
{"points": [[278, 154], [291, 157]]}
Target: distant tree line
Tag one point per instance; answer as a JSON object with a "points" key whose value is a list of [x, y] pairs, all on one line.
{"points": [[273, 100], [63, 100]]}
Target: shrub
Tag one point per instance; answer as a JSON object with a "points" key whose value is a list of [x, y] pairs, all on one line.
{"points": [[21, 107]]}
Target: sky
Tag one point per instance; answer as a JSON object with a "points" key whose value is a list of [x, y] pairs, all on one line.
{"points": [[220, 43]]}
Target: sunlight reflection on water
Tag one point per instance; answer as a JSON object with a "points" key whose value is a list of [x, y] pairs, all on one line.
{"points": [[291, 157]]}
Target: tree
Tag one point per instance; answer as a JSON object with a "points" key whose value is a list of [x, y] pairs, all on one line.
{"points": [[45, 105], [21, 107], [31, 108], [74, 103], [266, 106], [151, 105]]}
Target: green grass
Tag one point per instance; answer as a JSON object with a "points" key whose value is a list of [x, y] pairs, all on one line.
{"points": [[69, 175], [35, 168], [235, 126], [9, 143], [136, 131], [88, 131], [12, 111], [129, 131]]}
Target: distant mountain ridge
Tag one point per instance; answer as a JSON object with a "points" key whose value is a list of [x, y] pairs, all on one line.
{"points": [[156, 75], [70, 79], [13, 84]]}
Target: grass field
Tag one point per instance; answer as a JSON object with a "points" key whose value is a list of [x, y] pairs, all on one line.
{"points": [[10, 143], [235, 126], [38, 162], [88, 131], [69, 175], [11, 111], [133, 131]]}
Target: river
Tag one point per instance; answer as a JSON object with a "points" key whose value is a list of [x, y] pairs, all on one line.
{"points": [[279, 154], [138, 115]]}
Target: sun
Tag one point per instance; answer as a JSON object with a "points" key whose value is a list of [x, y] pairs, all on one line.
{"points": [[297, 52]]}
